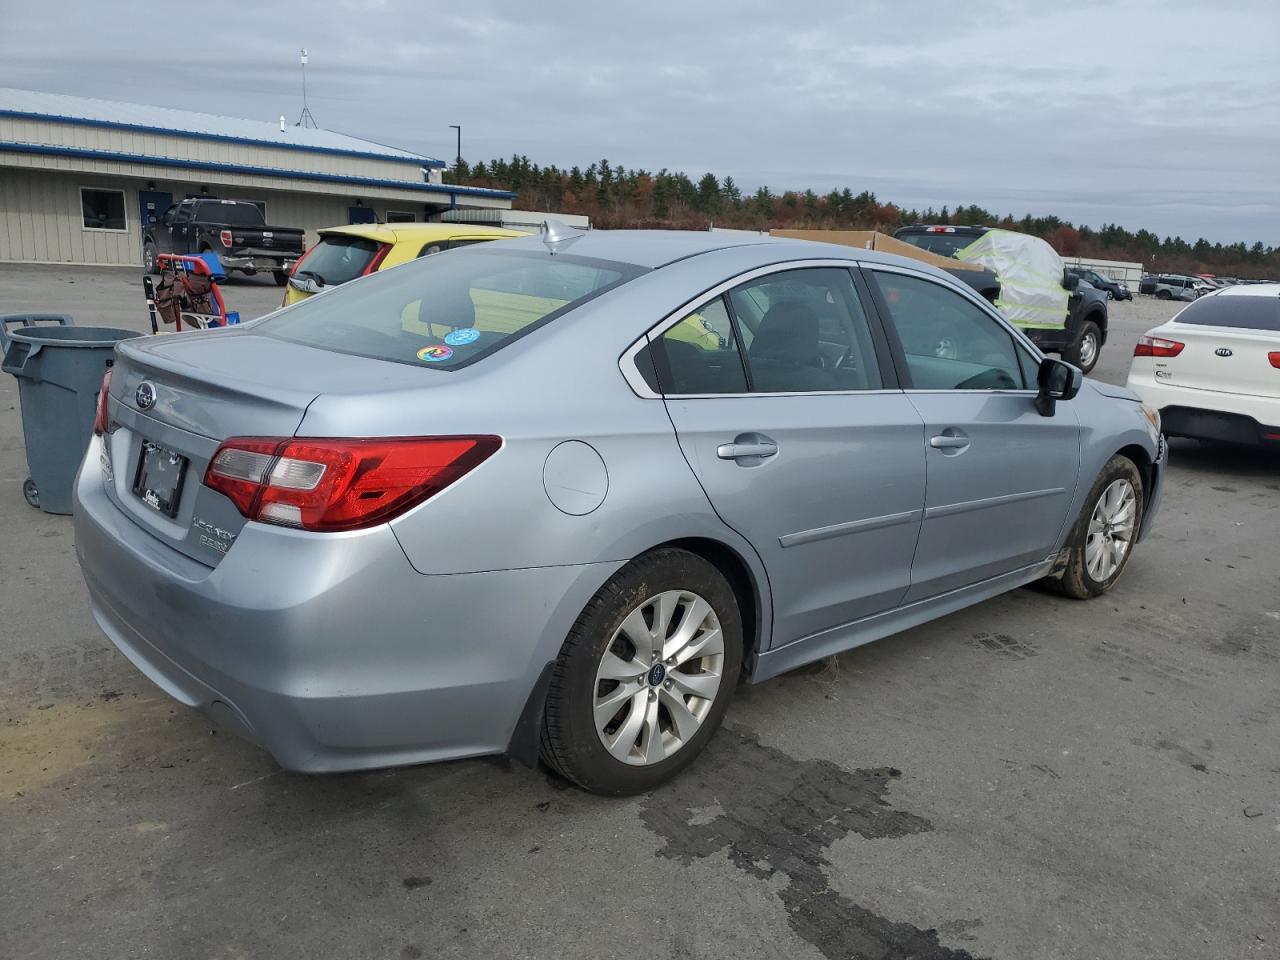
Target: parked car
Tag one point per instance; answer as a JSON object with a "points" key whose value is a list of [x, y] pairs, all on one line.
{"points": [[1114, 289], [233, 229], [1213, 371], [344, 253], [1176, 287], [543, 520]]}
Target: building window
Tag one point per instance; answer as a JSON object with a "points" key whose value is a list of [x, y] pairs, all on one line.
{"points": [[103, 209], [401, 216]]}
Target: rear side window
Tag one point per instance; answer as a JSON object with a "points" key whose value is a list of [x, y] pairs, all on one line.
{"points": [[943, 244], [445, 312], [338, 259], [701, 354], [1244, 312]]}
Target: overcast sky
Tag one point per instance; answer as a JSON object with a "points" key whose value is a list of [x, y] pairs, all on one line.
{"points": [[1162, 114]]}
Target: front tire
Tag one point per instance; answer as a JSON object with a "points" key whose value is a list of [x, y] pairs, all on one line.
{"points": [[1088, 346], [645, 675], [1103, 537]]}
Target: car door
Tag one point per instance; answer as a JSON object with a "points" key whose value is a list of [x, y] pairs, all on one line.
{"points": [[999, 477], [787, 411]]}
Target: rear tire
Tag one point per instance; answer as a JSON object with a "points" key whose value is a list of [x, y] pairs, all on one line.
{"points": [[1101, 542], [1163, 295], [281, 277], [624, 715]]}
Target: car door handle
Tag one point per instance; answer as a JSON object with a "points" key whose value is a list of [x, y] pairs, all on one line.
{"points": [[948, 443], [736, 451]]}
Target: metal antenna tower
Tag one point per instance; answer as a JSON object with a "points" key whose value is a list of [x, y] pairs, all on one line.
{"points": [[305, 119]]}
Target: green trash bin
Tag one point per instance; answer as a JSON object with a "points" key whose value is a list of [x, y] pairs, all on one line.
{"points": [[59, 370]]}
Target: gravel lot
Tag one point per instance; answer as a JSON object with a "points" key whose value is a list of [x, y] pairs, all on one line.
{"points": [[1030, 778]]}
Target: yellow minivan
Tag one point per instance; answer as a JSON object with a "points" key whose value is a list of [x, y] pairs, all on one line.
{"points": [[344, 253]]}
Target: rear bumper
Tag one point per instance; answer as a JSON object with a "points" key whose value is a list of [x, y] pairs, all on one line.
{"points": [[1210, 414], [330, 651], [257, 261]]}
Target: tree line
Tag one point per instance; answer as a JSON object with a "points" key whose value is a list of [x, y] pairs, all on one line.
{"points": [[615, 197]]}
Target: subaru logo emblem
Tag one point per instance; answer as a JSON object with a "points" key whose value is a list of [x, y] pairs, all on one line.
{"points": [[145, 395], [657, 674], [1223, 351]]}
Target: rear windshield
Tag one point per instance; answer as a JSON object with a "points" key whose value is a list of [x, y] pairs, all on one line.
{"points": [[337, 259], [943, 244], [1246, 312], [446, 312], [231, 213]]}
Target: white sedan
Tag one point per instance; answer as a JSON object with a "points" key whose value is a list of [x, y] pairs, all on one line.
{"points": [[1213, 371]]}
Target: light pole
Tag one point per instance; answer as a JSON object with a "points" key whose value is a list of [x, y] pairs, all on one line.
{"points": [[458, 163]]}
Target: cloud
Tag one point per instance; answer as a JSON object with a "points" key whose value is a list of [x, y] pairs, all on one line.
{"points": [[1147, 113]]}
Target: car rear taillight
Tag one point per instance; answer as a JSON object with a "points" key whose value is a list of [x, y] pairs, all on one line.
{"points": [[100, 422], [376, 261], [1157, 347], [1273, 358], [225, 237], [323, 485]]}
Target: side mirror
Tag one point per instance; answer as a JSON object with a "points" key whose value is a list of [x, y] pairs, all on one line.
{"points": [[1056, 381], [1070, 281]]}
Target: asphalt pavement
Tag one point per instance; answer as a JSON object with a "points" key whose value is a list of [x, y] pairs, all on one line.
{"points": [[1030, 778]]}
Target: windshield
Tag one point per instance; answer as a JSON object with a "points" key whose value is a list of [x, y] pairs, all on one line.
{"points": [[446, 312], [1244, 312], [943, 244], [231, 213]]}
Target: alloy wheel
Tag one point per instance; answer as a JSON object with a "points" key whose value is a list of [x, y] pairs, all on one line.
{"points": [[658, 677], [1111, 530]]}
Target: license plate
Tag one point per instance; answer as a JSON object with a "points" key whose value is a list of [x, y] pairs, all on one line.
{"points": [[158, 482]]}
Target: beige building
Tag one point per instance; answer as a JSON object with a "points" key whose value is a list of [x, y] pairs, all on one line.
{"points": [[80, 179]]}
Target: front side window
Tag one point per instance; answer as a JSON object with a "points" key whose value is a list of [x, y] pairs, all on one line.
{"points": [[949, 343], [103, 209], [445, 312]]}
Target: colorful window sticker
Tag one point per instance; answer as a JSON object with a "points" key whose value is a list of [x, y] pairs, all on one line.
{"points": [[435, 354], [462, 336]]}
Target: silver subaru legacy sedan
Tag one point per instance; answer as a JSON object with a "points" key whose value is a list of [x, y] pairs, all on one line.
{"points": [[557, 497]]}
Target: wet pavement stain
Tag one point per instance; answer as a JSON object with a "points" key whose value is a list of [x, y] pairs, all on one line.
{"points": [[775, 815]]}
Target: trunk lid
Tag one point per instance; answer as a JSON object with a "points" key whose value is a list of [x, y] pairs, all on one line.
{"points": [[200, 389], [1225, 359]]}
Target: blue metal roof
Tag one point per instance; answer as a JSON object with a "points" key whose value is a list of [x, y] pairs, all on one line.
{"points": [[204, 126]]}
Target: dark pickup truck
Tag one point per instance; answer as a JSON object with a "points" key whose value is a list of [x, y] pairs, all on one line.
{"points": [[233, 229]]}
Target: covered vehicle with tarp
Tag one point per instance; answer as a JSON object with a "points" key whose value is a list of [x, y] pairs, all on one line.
{"points": [[1060, 313], [1030, 272]]}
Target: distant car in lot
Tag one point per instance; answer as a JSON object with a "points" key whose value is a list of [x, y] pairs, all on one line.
{"points": [[1170, 286], [501, 500], [1114, 289], [1213, 371], [344, 253], [1079, 340], [233, 229]]}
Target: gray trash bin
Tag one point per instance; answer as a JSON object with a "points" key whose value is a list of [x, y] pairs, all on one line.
{"points": [[59, 370]]}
